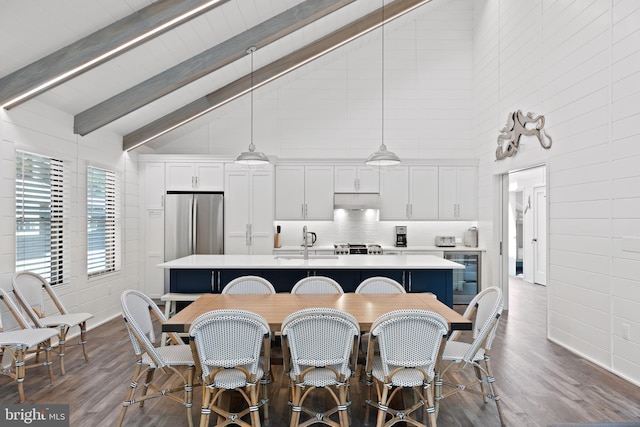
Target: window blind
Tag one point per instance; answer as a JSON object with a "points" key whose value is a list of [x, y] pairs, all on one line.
{"points": [[41, 206], [103, 222]]}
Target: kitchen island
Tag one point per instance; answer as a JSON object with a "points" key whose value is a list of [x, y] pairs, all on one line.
{"points": [[210, 273]]}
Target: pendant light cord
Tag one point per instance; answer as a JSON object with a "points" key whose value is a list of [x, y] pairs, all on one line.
{"points": [[382, 73], [252, 50]]}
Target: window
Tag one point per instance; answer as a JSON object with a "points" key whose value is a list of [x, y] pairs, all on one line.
{"points": [[103, 222], [41, 200]]}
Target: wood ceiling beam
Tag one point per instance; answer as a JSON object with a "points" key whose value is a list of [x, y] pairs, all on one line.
{"points": [[98, 47], [202, 64], [267, 73]]}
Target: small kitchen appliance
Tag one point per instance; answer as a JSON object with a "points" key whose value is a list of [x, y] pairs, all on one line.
{"points": [[311, 239], [401, 236], [445, 241], [471, 237]]}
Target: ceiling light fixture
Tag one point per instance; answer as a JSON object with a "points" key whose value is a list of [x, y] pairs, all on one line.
{"points": [[382, 158], [252, 157]]}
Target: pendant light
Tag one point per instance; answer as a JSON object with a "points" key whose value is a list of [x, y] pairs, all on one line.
{"points": [[382, 158], [252, 157]]}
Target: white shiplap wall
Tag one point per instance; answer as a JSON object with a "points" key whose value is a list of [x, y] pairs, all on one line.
{"points": [[332, 107], [579, 64], [40, 129]]}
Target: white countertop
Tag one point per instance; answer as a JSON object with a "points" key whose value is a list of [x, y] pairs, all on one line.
{"points": [[370, 262]]}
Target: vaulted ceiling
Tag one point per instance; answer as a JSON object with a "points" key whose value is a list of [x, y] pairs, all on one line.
{"points": [[184, 70]]}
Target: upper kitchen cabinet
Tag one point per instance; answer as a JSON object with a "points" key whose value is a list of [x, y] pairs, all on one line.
{"points": [[248, 210], [356, 179], [304, 192], [409, 193], [458, 193], [194, 176]]}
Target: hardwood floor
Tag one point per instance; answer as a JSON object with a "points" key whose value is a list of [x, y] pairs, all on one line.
{"points": [[540, 383]]}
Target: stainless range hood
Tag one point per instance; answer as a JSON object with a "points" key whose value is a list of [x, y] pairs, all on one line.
{"points": [[356, 201]]}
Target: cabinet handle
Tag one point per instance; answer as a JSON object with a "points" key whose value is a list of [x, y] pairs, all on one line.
{"points": [[162, 201], [403, 281], [193, 182], [302, 210], [410, 282], [246, 235], [411, 210], [406, 209], [306, 210], [356, 183], [213, 281], [219, 284]]}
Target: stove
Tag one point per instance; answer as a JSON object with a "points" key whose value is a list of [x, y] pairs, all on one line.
{"points": [[357, 249]]}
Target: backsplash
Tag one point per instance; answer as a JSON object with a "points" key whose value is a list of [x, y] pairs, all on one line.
{"points": [[364, 226]]}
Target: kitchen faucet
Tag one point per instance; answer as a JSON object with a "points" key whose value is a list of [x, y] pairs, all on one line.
{"points": [[304, 242]]}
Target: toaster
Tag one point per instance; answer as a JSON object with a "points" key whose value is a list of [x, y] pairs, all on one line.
{"points": [[445, 241]]}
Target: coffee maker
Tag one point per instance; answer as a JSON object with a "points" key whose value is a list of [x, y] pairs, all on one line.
{"points": [[401, 236]]}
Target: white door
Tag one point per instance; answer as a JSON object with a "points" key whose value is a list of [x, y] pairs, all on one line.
{"points": [[539, 242]]}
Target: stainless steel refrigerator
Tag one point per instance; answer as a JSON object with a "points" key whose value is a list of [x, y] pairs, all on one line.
{"points": [[193, 224]]}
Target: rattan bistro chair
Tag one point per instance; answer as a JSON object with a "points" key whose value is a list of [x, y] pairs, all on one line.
{"points": [[380, 285], [232, 348], [30, 290], [487, 307], [15, 344], [317, 285], [249, 285], [409, 342], [140, 314], [320, 347], [377, 285]]}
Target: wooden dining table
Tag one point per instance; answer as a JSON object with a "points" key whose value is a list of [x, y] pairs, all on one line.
{"points": [[274, 308]]}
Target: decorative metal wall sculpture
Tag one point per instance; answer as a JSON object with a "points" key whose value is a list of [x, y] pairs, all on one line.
{"points": [[509, 138]]}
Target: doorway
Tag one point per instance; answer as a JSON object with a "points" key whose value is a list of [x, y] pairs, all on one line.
{"points": [[527, 225]]}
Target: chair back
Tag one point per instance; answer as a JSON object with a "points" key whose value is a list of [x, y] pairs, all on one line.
{"points": [[249, 285], [488, 307], [319, 337], [22, 322], [137, 309], [408, 339], [30, 289], [229, 338], [317, 285], [380, 285]]}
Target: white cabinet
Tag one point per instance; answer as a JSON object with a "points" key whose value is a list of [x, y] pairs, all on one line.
{"points": [[304, 192], [153, 185], [356, 179], [190, 176], [458, 192], [409, 193], [248, 206], [152, 192]]}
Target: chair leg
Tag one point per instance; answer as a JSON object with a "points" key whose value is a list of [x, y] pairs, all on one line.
{"points": [[296, 393], [254, 393], [188, 394], [430, 409], [20, 371], [493, 395], [206, 402], [47, 358], [147, 382], [130, 393], [343, 391], [264, 387], [367, 409], [83, 340], [382, 410], [62, 336]]}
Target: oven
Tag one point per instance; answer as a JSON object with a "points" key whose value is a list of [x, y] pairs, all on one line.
{"points": [[357, 249]]}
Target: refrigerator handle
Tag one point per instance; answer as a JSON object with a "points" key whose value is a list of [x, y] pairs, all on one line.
{"points": [[194, 226], [190, 230]]}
